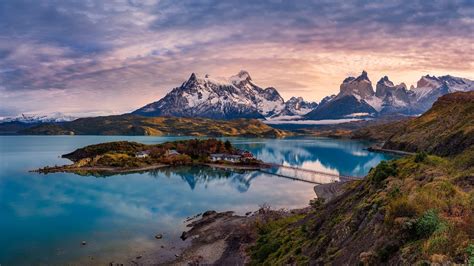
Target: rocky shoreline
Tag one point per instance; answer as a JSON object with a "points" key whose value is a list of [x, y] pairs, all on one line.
{"points": [[223, 238]]}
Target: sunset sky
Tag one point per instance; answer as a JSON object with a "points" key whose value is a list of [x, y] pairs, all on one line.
{"points": [[103, 57]]}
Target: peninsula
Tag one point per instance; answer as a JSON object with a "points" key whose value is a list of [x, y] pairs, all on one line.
{"points": [[125, 156]]}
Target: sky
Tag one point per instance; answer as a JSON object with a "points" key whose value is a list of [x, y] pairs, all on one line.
{"points": [[90, 57]]}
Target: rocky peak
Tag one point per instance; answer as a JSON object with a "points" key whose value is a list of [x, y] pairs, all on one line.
{"points": [[428, 81], [295, 99], [385, 81], [242, 78], [348, 79], [384, 86], [359, 87], [363, 77]]}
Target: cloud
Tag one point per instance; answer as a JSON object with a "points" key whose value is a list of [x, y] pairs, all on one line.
{"points": [[120, 55]]}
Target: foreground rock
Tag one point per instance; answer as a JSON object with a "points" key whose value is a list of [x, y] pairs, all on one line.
{"points": [[224, 238], [217, 238]]}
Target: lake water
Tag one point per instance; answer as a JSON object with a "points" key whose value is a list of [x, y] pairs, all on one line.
{"points": [[44, 218]]}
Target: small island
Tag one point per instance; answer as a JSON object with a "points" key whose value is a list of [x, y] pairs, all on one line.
{"points": [[125, 156]]}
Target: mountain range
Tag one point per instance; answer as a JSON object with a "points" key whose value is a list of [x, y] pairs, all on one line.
{"points": [[235, 97], [240, 97], [357, 97], [35, 118]]}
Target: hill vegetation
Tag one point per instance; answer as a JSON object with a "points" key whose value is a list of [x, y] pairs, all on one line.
{"points": [[446, 129], [413, 210], [157, 126], [417, 209]]}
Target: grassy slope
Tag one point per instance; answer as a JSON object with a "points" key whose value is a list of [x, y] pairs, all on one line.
{"points": [[158, 126], [447, 128], [411, 210], [422, 211]]}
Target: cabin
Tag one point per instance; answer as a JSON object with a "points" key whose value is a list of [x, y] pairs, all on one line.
{"points": [[171, 153], [225, 157], [142, 154]]}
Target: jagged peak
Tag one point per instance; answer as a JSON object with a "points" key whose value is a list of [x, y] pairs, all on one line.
{"points": [[242, 75], [385, 81], [348, 79], [295, 99], [363, 76], [193, 76], [428, 81]]}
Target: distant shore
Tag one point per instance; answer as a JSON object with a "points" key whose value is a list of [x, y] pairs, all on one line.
{"points": [[388, 151]]}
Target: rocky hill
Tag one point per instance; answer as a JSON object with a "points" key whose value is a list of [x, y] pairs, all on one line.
{"points": [[157, 126]]}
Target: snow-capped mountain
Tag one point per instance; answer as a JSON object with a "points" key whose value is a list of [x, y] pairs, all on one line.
{"points": [[429, 88], [235, 97], [357, 97], [35, 118], [395, 98], [297, 106]]}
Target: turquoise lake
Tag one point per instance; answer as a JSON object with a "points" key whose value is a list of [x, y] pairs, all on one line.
{"points": [[44, 218]]}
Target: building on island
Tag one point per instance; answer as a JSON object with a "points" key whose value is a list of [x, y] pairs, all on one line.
{"points": [[225, 157], [142, 154], [171, 153]]}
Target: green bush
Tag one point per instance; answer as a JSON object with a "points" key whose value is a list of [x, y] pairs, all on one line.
{"points": [[316, 203], [470, 254], [428, 223], [383, 170], [420, 157]]}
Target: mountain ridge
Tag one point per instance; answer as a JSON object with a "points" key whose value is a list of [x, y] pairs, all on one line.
{"points": [[235, 97], [387, 98]]}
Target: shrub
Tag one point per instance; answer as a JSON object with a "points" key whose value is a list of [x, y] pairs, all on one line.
{"points": [[401, 207], [428, 223], [470, 254], [420, 157], [316, 203], [382, 171]]}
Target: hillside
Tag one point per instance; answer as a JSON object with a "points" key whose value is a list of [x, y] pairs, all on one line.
{"points": [[413, 210], [157, 126], [446, 129], [417, 209]]}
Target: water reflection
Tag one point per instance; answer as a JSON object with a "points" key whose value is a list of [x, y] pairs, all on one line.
{"points": [[194, 175], [335, 156], [47, 216]]}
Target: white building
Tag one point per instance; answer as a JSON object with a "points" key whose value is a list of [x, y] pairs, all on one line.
{"points": [[225, 157], [142, 154]]}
